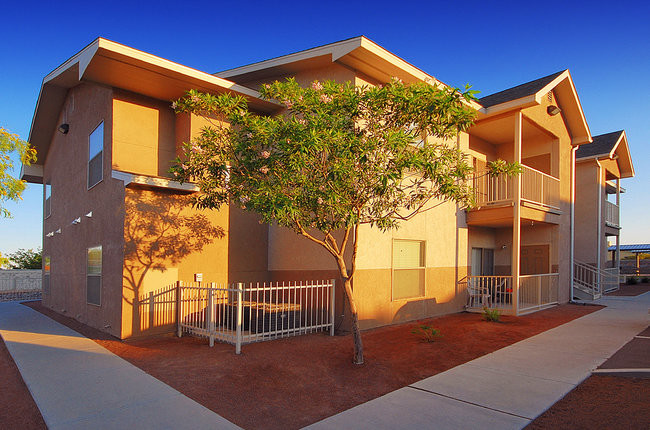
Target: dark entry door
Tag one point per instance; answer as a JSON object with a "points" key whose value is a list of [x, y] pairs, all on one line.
{"points": [[534, 259]]}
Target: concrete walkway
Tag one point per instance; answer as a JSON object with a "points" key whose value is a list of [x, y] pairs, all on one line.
{"points": [[510, 387], [78, 384]]}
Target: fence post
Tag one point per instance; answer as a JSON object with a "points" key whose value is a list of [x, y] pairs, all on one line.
{"points": [[179, 331], [332, 311], [209, 316], [152, 309], [240, 316]]}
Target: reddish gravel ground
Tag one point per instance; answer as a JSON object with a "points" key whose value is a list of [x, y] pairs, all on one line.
{"points": [[631, 290], [600, 402], [17, 408], [294, 382]]}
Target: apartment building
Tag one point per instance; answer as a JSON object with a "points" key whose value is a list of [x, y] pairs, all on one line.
{"points": [[118, 226], [600, 166]]}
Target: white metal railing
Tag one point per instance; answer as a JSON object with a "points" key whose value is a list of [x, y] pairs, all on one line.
{"points": [[490, 190], [540, 188], [610, 280], [494, 292], [611, 214], [538, 291], [240, 314], [585, 278], [536, 187], [593, 281]]}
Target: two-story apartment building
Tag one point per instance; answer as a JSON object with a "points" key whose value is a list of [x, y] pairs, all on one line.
{"points": [[117, 225], [600, 166]]}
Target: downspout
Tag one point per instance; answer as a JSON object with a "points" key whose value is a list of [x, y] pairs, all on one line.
{"points": [[572, 218], [600, 218]]}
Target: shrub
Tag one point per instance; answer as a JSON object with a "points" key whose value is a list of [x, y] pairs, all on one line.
{"points": [[427, 333], [631, 280], [491, 315], [645, 280]]}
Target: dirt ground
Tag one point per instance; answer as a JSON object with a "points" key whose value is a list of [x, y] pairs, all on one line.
{"points": [[617, 400], [17, 408], [631, 290], [294, 382]]}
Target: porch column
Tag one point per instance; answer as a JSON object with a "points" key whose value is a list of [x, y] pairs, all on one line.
{"points": [[617, 258], [516, 219]]}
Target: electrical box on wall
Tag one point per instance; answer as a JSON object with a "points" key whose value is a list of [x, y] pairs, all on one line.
{"points": [[198, 277]]}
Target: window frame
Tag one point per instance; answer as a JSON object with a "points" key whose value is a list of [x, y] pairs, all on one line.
{"points": [[89, 159], [422, 267], [47, 200], [100, 275]]}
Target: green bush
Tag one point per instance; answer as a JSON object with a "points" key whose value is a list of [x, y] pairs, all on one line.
{"points": [[632, 280], [491, 315], [427, 333]]}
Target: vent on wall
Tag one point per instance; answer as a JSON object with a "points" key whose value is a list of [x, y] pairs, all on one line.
{"points": [[550, 96]]}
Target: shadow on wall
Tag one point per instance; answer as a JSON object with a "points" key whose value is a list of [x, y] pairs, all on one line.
{"points": [[160, 230]]}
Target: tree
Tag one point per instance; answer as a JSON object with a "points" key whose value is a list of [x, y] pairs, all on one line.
{"points": [[10, 187], [339, 157], [26, 259]]}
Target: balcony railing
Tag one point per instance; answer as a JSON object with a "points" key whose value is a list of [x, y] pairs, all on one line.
{"points": [[538, 291], [536, 187], [611, 214], [494, 292]]}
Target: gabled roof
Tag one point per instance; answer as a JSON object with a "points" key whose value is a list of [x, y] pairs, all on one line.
{"points": [[120, 66], [612, 146], [523, 90], [603, 145], [358, 52], [531, 94]]}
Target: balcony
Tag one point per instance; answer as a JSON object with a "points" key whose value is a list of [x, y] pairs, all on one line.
{"points": [[612, 215], [535, 292], [494, 195]]}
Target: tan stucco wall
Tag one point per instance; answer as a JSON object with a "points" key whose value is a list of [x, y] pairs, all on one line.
{"points": [[586, 212], [144, 139], [66, 166]]}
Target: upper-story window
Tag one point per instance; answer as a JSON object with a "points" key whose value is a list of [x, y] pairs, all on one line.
{"points": [[96, 156], [47, 205]]}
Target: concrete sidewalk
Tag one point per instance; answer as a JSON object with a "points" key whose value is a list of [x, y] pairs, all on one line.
{"points": [[77, 384], [510, 387]]}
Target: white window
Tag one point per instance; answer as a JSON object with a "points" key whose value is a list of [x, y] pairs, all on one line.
{"points": [[408, 269], [47, 205], [94, 276], [96, 156]]}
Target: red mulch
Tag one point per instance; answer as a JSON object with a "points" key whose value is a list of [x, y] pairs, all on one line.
{"points": [[17, 408], [601, 402], [290, 383], [631, 290]]}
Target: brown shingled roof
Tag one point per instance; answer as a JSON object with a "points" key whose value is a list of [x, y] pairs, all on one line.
{"points": [[518, 92], [602, 145]]}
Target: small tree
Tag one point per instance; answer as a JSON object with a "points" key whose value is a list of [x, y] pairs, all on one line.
{"points": [[10, 187], [339, 157], [26, 259]]}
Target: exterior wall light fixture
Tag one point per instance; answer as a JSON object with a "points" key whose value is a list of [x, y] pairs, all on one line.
{"points": [[64, 128], [553, 110]]}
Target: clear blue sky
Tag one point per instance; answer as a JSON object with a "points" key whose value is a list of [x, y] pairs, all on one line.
{"points": [[490, 45]]}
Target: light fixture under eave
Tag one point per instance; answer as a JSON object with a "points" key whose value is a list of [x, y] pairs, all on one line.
{"points": [[64, 128], [553, 110]]}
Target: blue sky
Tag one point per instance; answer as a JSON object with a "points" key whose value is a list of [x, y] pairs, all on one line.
{"points": [[490, 45]]}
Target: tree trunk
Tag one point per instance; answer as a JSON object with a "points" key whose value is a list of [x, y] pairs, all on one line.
{"points": [[356, 333]]}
